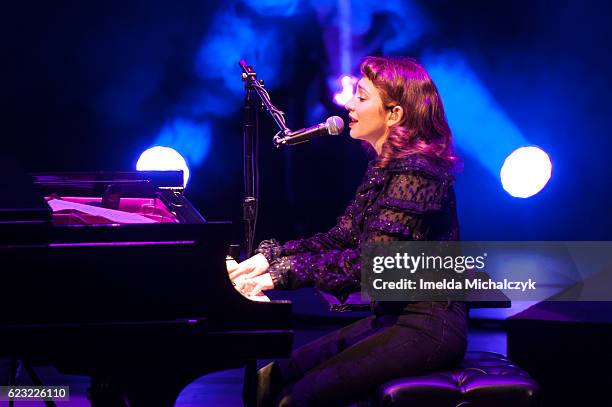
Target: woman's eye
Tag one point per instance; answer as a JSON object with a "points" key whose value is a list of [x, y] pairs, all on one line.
{"points": [[361, 99]]}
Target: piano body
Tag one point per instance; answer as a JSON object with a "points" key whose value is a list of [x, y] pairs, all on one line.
{"points": [[124, 281]]}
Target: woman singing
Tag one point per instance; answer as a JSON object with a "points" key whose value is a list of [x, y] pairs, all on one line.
{"points": [[406, 194]]}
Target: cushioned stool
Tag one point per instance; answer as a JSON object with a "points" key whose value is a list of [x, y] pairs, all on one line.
{"points": [[484, 379]]}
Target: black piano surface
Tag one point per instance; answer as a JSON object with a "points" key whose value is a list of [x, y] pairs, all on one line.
{"points": [[142, 308]]}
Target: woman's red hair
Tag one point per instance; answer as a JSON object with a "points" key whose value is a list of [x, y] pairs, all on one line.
{"points": [[423, 128]]}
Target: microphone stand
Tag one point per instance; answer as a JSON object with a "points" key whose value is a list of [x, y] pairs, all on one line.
{"points": [[250, 131], [249, 205]]}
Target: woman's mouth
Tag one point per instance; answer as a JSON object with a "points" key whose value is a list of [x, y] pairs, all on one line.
{"points": [[352, 121]]}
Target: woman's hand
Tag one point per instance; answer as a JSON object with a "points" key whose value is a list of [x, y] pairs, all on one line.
{"points": [[250, 268], [252, 287]]}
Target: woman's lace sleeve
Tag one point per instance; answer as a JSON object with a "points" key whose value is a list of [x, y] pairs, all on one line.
{"points": [[397, 214], [343, 235]]}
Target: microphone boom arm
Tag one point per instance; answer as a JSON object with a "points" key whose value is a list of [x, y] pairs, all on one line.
{"points": [[250, 78]]}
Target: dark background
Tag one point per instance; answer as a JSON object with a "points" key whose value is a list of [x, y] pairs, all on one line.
{"points": [[90, 85]]}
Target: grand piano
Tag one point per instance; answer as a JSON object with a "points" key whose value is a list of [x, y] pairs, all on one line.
{"points": [[117, 276]]}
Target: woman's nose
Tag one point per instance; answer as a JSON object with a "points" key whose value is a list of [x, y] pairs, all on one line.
{"points": [[349, 105]]}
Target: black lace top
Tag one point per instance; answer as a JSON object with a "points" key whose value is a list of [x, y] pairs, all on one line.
{"points": [[412, 199]]}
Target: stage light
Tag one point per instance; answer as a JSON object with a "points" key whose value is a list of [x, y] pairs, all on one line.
{"points": [[348, 82], [525, 172], [163, 159]]}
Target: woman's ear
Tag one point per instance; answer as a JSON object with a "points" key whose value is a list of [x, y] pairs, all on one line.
{"points": [[395, 116]]}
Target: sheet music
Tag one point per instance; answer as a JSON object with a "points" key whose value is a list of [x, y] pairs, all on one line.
{"points": [[110, 214]]}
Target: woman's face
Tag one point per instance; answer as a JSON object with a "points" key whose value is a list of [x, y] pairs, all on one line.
{"points": [[368, 117]]}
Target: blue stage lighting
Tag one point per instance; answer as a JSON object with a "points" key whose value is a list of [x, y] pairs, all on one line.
{"points": [[269, 8], [234, 36], [190, 138], [525, 172], [480, 126], [163, 159]]}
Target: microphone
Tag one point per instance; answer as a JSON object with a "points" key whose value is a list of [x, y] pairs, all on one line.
{"points": [[332, 126]]}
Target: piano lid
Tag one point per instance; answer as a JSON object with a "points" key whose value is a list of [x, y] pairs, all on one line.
{"points": [[156, 179]]}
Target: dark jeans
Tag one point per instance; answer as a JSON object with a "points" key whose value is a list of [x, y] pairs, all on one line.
{"points": [[347, 365]]}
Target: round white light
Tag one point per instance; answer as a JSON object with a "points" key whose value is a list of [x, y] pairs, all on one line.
{"points": [[347, 82], [163, 159], [525, 172]]}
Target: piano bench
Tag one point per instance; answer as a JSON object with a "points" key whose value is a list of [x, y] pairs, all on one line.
{"points": [[484, 379]]}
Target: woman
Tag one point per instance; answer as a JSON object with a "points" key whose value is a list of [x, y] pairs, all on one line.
{"points": [[406, 195]]}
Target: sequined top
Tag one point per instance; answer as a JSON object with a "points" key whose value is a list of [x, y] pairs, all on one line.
{"points": [[411, 199]]}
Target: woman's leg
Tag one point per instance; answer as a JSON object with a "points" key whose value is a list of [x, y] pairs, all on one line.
{"points": [[278, 374], [417, 344]]}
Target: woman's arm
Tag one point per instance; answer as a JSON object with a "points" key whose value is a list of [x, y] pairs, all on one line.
{"points": [[400, 213], [344, 235]]}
